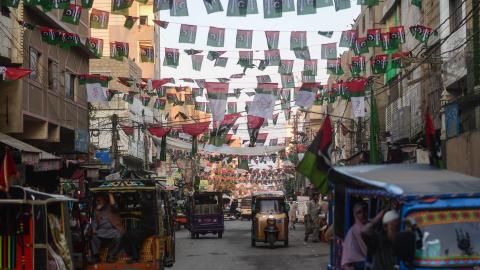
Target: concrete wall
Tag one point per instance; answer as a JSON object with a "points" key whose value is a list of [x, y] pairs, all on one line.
{"points": [[463, 153]]}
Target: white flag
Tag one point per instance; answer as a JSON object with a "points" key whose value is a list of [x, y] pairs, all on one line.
{"points": [[217, 107], [305, 99], [96, 93], [262, 106], [358, 106]]}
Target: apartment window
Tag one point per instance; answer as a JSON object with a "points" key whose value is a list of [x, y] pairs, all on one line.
{"points": [[70, 85], [455, 13], [143, 20], [35, 64], [52, 75]]}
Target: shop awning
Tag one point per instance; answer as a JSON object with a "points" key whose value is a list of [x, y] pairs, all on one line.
{"points": [[41, 160]]}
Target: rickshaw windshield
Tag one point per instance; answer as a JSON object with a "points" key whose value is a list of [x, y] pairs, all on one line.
{"points": [[270, 206], [448, 238], [207, 204]]}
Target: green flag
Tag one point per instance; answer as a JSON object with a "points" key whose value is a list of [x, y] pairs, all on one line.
{"points": [[358, 65], [212, 55], [244, 39], [197, 61], [374, 37], [120, 7], [360, 46], [213, 6], [216, 37], [72, 14], [171, 58], [99, 19], [374, 130], [288, 5], [324, 3], [161, 5], [379, 64], [237, 8], [368, 2], [119, 50], [188, 33], [417, 3], [87, 4], [129, 21], [302, 53], [67, 40], [160, 104], [397, 36], [316, 161], [245, 58], [178, 8], [305, 7], [285, 67], [421, 33], [48, 35], [272, 9], [334, 67], [221, 62], [342, 4], [60, 4]]}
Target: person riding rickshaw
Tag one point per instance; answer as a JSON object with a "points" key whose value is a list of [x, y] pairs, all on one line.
{"points": [[269, 218], [136, 216]]}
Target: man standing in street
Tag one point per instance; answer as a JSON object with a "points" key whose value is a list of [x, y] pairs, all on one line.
{"points": [[106, 226], [292, 213], [312, 218]]}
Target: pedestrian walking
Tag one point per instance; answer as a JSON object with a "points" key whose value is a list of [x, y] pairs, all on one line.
{"points": [[312, 218], [292, 213]]}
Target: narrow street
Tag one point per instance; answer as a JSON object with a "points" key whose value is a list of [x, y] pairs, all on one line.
{"points": [[234, 252]]}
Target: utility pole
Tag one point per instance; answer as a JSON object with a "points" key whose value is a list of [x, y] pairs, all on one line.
{"points": [[145, 143], [114, 149], [295, 139]]}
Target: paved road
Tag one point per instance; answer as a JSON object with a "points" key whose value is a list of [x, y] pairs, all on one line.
{"points": [[234, 252]]}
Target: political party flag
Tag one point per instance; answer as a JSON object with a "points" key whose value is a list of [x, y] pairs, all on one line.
{"points": [[217, 95], [197, 61], [147, 54], [264, 79], [200, 106], [212, 55], [194, 130], [84, 79], [219, 133], [213, 6], [188, 33], [307, 78], [232, 107], [298, 40], [310, 67], [87, 3], [145, 100], [329, 51], [162, 24], [178, 8], [342, 4], [11, 3], [11, 73], [171, 58], [172, 98], [288, 5], [272, 39], [275, 118], [348, 38], [262, 65], [119, 50], [374, 37], [379, 63], [305, 7], [221, 62], [316, 161], [357, 99], [161, 5], [254, 123], [252, 7], [302, 54], [216, 37], [263, 101], [272, 8], [48, 35], [272, 57], [72, 14], [287, 80], [197, 92], [128, 97], [334, 67], [398, 59], [67, 40], [285, 67], [385, 37], [307, 94], [192, 51], [245, 58], [324, 3], [60, 4], [421, 32], [99, 19], [358, 65], [368, 2], [360, 46], [7, 170], [237, 8], [244, 39], [355, 87], [397, 36], [340, 90], [120, 7], [130, 21], [327, 34]]}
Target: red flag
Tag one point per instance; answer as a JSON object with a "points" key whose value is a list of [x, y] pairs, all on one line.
{"points": [[429, 131], [159, 131], [254, 122], [356, 87], [7, 170], [156, 84], [11, 74], [127, 129], [195, 129]]}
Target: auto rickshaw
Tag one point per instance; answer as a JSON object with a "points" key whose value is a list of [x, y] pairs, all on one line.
{"points": [[439, 212], [205, 214], [246, 208], [35, 230], [157, 250], [270, 218]]}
